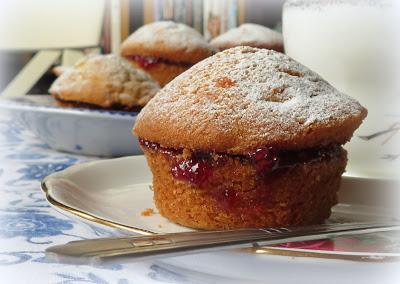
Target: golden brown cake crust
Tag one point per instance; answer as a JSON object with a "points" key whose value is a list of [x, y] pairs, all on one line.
{"points": [[244, 98], [168, 40], [249, 35], [161, 72], [300, 195], [104, 80]]}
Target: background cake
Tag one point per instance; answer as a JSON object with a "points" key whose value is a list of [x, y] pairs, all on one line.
{"points": [[165, 49], [104, 81], [249, 35]]}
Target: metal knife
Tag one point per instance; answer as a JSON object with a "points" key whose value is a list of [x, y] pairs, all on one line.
{"points": [[134, 248]]}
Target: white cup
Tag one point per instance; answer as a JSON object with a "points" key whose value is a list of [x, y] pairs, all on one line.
{"points": [[354, 45]]}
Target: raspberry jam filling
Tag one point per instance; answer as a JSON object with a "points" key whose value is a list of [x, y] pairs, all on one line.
{"points": [[198, 167], [196, 171], [149, 61]]}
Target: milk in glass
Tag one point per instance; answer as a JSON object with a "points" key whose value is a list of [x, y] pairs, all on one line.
{"points": [[354, 45]]}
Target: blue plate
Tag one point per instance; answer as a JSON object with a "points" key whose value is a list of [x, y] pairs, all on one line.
{"points": [[82, 131]]}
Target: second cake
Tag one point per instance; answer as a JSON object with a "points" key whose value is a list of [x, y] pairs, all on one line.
{"points": [[165, 49]]}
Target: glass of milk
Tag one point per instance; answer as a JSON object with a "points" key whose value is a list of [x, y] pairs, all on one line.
{"points": [[354, 45]]}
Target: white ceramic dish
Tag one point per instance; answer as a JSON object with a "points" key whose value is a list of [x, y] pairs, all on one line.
{"points": [[114, 193], [81, 131], [117, 191]]}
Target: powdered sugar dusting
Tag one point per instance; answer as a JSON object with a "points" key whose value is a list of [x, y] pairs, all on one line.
{"points": [[111, 77], [175, 33], [169, 35], [249, 35], [273, 97], [110, 66]]}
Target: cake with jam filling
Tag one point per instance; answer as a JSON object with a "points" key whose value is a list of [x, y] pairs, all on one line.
{"points": [[165, 49], [249, 35], [103, 82], [247, 138]]}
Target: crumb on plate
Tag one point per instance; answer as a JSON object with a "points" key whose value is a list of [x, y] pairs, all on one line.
{"points": [[147, 212]]}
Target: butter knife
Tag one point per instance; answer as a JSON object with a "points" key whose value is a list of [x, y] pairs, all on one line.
{"points": [[134, 248]]}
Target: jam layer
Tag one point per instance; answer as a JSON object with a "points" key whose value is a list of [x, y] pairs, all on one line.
{"points": [[149, 61], [197, 167]]}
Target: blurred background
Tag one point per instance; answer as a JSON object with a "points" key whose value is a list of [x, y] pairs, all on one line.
{"points": [[110, 21], [352, 44]]}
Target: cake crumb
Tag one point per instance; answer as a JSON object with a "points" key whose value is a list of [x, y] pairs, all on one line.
{"points": [[147, 212]]}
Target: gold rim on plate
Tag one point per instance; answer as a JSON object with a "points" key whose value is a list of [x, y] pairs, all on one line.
{"points": [[90, 217], [253, 250]]}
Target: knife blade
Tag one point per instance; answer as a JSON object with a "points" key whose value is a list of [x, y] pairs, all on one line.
{"points": [[134, 248]]}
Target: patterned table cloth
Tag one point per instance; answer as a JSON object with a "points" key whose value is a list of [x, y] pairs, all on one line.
{"points": [[28, 225]]}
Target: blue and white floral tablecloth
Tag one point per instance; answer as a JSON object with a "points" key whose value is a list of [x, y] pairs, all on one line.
{"points": [[28, 225]]}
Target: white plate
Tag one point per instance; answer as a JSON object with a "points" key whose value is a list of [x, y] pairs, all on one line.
{"points": [[119, 190], [115, 192], [81, 131]]}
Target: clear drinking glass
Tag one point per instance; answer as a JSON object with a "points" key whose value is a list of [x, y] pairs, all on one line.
{"points": [[354, 45]]}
